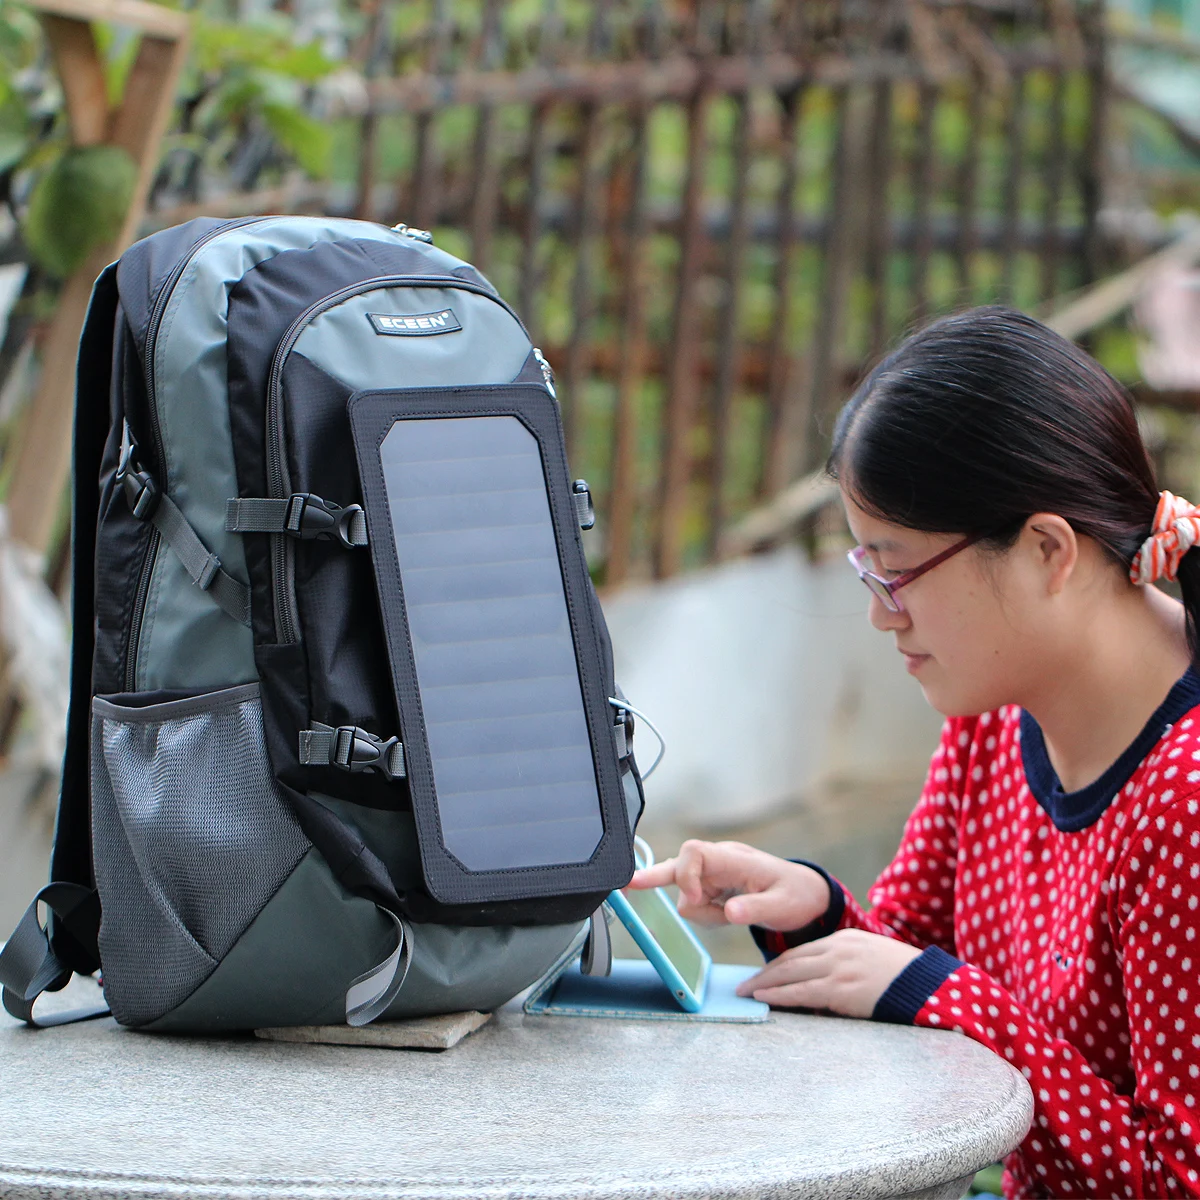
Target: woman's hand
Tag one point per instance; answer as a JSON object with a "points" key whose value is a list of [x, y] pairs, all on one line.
{"points": [[844, 973], [728, 883]]}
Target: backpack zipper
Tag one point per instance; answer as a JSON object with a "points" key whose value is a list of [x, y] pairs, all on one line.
{"points": [[278, 482], [150, 558], [139, 609]]}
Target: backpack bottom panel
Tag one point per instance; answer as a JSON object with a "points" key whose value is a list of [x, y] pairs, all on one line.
{"points": [[294, 963]]}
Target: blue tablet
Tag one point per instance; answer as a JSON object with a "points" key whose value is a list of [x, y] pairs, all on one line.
{"points": [[668, 943]]}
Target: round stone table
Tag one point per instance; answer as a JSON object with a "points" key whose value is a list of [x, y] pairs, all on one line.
{"points": [[530, 1107]]}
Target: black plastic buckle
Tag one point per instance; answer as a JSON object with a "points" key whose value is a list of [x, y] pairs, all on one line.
{"points": [[311, 517], [139, 487], [354, 750]]}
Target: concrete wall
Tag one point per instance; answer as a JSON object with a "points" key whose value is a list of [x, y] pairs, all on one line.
{"points": [[769, 686]]}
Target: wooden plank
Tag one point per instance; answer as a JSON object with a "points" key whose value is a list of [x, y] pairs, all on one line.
{"points": [[486, 187], [968, 190], [142, 119], [371, 54], [728, 324], [1093, 171], [1112, 296], [879, 225], [585, 230], [43, 456], [537, 149], [922, 191], [368, 154], [43, 452], [424, 193], [781, 383], [1187, 401], [796, 503], [81, 73], [836, 271], [1014, 136], [531, 225], [630, 365], [586, 225], [154, 19], [486, 183], [681, 375], [1052, 182], [674, 77]]}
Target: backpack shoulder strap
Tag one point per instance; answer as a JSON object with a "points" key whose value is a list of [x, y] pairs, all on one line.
{"points": [[72, 858], [37, 958], [29, 965]]}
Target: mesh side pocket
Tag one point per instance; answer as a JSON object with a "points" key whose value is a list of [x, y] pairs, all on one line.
{"points": [[190, 840]]}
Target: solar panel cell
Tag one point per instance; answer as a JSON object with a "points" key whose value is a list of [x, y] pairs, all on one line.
{"points": [[491, 640]]}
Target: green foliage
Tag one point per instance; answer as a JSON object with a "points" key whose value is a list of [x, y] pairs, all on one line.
{"points": [[77, 205], [243, 80], [248, 73], [20, 43], [988, 1181]]}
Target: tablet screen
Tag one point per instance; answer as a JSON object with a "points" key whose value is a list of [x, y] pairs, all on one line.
{"points": [[667, 928]]}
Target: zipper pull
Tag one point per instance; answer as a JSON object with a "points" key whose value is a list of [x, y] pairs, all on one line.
{"points": [[547, 373], [418, 235]]}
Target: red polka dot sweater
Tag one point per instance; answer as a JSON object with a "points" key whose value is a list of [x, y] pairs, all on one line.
{"points": [[1061, 930]]}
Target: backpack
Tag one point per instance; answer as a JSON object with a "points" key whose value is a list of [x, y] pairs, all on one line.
{"points": [[344, 740]]}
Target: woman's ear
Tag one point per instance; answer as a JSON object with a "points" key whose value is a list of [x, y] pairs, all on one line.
{"points": [[1054, 547]]}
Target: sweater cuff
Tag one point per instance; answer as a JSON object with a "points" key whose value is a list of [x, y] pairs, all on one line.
{"points": [[773, 943], [908, 993]]}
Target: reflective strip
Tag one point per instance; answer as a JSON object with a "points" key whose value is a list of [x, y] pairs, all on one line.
{"points": [[370, 995]]}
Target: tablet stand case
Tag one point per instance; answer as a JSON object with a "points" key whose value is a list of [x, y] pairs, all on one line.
{"points": [[634, 990]]}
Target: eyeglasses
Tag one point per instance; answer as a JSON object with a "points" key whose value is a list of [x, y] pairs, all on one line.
{"points": [[886, 589]]}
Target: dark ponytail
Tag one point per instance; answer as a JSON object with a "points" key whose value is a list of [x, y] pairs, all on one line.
{"points": [[986, 417]]}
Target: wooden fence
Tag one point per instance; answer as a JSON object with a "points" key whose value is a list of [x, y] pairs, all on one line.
{"points": [[713, 214]]}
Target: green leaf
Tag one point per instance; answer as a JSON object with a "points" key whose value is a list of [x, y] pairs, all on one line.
{"points": [[78, 204], [12, 148], [308, 141]]}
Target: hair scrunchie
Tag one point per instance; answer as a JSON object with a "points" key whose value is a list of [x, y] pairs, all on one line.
{"points": [[1175, 531]]}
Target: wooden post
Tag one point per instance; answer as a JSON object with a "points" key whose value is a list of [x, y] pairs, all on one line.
{"points": [[43, 457]]}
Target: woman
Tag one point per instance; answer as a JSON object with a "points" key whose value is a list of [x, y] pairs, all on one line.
{"points": [[1044, 896]]}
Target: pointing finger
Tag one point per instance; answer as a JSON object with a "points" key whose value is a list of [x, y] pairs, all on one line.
{"points": [[660, 875]]}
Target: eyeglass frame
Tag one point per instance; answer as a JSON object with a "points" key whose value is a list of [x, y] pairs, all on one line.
{"points": [[886, 590]]}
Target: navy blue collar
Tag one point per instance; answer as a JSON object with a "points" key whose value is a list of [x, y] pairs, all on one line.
{"points": [[1073, 811]]}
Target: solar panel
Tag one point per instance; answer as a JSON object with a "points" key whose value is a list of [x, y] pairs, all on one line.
{"points": [[492, 643]]}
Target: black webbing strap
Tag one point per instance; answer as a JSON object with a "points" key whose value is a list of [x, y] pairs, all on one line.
{"points": [[148, 502], [351, 749], [200, 563], [28, 963], [301, 516]]}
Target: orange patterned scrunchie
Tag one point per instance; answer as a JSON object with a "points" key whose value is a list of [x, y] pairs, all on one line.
{"points": [[1175, 531]]}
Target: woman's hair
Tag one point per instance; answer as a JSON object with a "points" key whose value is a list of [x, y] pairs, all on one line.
{"points": [[984, 418]]}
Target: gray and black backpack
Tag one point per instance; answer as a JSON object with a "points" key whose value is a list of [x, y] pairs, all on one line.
{"points": [[344, 739]]}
